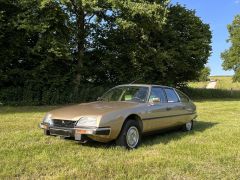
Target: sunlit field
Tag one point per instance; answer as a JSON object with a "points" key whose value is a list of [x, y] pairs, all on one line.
{"points": [[210, 151], [225, 82], [198, 84]]}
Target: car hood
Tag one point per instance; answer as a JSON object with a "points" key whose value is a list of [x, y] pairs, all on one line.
{"points": [[99, 108]]}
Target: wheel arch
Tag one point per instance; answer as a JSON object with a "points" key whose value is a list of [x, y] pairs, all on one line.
{"points": [[134, 117]]}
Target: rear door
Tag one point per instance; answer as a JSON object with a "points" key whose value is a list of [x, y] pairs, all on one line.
{"points": [[188, 108], [175, 109]]}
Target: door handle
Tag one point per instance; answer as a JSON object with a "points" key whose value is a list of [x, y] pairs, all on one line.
{"points": [[168, 108]]}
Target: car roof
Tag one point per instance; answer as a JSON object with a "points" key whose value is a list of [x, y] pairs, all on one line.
{"points": [[145, 85]]}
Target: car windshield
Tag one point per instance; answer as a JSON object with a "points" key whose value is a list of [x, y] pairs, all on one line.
{"points": [[126, 93]]}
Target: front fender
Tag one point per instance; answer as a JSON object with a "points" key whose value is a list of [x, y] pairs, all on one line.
{"points": [[114, 121]]}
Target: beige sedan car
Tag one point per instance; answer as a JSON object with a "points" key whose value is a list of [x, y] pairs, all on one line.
{"points": [[124, 114]]}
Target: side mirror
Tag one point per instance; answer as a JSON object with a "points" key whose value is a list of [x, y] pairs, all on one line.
{"points": [[155, 100]]}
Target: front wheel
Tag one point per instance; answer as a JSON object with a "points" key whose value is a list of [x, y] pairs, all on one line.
{"points": [[130, 136]]}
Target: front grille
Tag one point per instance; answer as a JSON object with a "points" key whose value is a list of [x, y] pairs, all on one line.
{"points": [[63, 123]]}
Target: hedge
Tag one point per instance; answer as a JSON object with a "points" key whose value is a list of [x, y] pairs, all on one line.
{"points": [[89, 92]]}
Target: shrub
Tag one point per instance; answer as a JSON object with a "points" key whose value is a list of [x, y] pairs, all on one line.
{"points": [[199, 93], [88, 92], [50, 96]]}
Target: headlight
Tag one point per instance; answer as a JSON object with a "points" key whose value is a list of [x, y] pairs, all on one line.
{"points": [[87, 121], [48, 119]]}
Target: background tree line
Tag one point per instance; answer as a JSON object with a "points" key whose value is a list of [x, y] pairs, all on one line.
{"points": [[60, 51], [231, 57]]}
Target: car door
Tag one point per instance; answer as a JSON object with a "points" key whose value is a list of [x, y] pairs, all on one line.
{"points": [[176, 110], [188, 108], [155, 116]]}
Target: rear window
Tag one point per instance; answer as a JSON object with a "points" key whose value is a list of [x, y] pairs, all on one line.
{"points": [[171, 95], [182, 96]]}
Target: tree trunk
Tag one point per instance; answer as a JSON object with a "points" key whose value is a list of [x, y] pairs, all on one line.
{"points": [[80, 34]]}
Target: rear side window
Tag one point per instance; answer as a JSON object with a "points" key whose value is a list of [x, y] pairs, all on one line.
{"points": [[171, 95], [158, 92], [182, 96]]}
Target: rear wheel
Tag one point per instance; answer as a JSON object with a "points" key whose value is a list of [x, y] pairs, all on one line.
{"points": [[188, 126], [130, 136]]}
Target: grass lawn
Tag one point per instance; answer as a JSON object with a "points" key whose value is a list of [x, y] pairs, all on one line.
{"points": [[210, 151]]}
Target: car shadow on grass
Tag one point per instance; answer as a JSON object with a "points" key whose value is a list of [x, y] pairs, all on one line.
{"points": [[159, 137], [176, 134]]}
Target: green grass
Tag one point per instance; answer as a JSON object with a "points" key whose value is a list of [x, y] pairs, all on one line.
{"points": [[210, 151], [198, 84]]}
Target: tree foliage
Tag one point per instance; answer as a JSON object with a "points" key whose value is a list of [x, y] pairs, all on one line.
{"points": [[34, 45], [175, 53], [50, 49], [231, 57], [204, 74], [182, 48]]}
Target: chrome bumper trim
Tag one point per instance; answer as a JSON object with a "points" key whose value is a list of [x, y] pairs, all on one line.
{"points": [[76, 130]]}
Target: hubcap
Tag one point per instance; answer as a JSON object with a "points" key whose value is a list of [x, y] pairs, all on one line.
{"points": [[132, 137], [189, 125]]}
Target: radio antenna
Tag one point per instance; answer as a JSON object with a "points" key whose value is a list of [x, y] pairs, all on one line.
{"points": [[136, 80]]}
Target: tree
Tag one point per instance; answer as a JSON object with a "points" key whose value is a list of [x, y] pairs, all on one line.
{"points": [[231, 57], [47, 46], [92, 22], [118, 52], [35, 52], [172, 54], [204, 74], [184, 45], [50, 47]]}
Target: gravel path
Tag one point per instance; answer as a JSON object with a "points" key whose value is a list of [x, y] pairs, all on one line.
{"points": [[211, 85]]}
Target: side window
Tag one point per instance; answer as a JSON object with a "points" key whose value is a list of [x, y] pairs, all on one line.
{"points": [[171, 95], [182, 96], [158, 92]]}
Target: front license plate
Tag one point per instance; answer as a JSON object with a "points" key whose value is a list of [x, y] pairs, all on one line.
{"points": [[60, 132]]}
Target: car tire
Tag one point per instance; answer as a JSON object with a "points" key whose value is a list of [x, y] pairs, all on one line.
{"points": [[188, 126], [46, 132], [130, 135]]}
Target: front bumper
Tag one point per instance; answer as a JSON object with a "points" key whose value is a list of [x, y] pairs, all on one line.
{"points": [[74, 132]]}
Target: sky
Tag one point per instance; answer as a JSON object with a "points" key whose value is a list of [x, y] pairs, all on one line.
{"points": [[218, 14]]}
